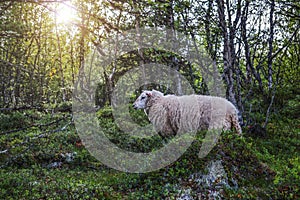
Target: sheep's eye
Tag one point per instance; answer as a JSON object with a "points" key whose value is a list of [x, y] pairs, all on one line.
{"points": [[143, 97]]}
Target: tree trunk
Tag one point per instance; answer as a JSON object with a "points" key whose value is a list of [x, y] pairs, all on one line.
{"points": [[62, 81], [227, 54], [270, 53]]}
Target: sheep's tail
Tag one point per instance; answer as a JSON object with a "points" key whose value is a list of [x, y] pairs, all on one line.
{"points": [[235, 123]]}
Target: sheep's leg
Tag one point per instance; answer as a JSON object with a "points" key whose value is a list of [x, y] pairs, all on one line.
{"points": [[222, 117], [213, 133], [236, 124], [215, 129], [232, 122]]}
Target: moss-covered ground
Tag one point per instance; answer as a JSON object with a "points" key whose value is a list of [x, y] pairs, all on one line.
{"points": [[33, 163]]}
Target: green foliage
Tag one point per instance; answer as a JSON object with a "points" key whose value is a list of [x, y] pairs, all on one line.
{"points": [[279, 152], [12, 120], [291, 108], [256, 168], [39, 183], [64, 107], [39, 61], [126, 140]]}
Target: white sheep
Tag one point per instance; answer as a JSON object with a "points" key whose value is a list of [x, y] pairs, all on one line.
{"points": [[172, 114]]}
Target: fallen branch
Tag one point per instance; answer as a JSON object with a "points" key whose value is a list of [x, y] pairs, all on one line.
{"points": [[21, 108], [42, 135], [32, 126]]}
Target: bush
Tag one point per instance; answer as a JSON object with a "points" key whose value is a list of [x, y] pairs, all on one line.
{"points": [[14, 120]]}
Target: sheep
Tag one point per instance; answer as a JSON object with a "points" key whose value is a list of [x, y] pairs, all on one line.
{"points": [[172, 114]]}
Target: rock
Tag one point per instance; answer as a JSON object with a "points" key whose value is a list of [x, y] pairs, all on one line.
{"points": [[213, 182], [69, 157], [54, 165], [204, 186]]}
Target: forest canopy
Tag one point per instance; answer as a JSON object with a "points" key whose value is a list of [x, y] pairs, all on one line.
{"points": [[255, 45]]}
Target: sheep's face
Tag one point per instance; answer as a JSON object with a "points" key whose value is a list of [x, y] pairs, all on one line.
{"points": [[141, 101]]}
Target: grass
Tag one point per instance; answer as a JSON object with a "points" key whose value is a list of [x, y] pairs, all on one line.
{"points": [[265, 168]]}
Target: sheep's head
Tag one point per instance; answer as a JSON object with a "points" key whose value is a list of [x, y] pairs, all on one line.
{"points": [[142, 101]]}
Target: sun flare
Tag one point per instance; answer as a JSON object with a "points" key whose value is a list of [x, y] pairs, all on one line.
{"points": [[65, 13]]}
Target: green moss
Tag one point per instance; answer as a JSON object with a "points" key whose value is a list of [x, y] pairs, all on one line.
{"points": [[265, 168]]}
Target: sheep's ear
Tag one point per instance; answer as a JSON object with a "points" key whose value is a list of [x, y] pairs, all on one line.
{"points": [[149, 94]]}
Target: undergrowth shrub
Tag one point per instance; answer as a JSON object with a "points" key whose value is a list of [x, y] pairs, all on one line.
{"points": [[126, 140], [256, 168], [12, 120]]}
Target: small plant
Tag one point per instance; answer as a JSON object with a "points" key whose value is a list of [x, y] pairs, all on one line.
{"points": [[12, 120]]}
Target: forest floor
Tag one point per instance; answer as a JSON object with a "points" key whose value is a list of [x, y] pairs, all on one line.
{"points": [[42, 157]]}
